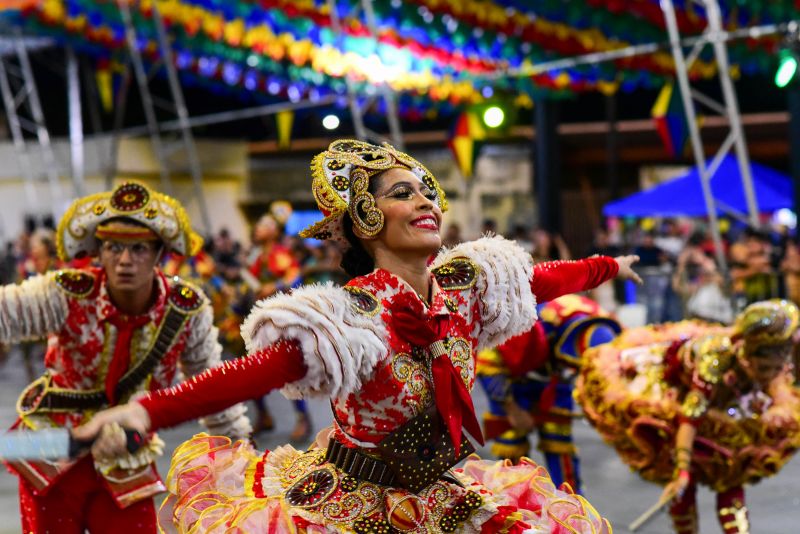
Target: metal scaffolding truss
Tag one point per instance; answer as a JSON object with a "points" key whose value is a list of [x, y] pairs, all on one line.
{"points": [[175, 131], [164, 147], [19, 93], [729, 108]]}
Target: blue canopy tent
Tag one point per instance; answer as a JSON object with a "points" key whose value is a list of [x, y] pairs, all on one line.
{"points": [[683, 196], [301, 219]]}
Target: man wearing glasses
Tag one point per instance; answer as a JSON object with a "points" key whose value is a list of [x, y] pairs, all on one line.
{"points": [[114, 331]]}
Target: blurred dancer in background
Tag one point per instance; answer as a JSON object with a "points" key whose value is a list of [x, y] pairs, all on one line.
{"points": [[277, 270], [529, 381], [693, 403]]}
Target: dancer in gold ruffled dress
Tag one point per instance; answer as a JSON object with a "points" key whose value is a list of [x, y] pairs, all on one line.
{"points": [[694, 403]]}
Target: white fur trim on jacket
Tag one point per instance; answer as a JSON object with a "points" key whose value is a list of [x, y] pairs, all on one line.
{"points": [[340, 346], [32, 309], [503, 287]]}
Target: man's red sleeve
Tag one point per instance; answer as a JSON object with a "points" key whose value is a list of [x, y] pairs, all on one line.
{"points": [[221, 387], [553, 279]]}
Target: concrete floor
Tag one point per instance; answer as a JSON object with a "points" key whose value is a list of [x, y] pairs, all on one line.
{"points": [[617, 493]]}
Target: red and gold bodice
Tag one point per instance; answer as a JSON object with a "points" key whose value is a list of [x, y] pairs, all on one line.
{"points": [[401, 384]]}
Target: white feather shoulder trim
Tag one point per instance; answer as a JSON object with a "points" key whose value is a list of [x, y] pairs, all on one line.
{"points": [[340, 345], [33, 309], [502, 286]]}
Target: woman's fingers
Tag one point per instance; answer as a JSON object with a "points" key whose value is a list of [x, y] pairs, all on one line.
{"points": [[110, 443], [626, 270], [131, 415]]}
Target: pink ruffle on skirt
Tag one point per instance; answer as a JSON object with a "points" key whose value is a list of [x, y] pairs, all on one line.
{"points": [[218, 487]]}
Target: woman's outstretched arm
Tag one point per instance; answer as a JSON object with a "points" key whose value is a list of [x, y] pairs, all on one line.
{"points": [[553, 279], [234, 381], [208, 392]]}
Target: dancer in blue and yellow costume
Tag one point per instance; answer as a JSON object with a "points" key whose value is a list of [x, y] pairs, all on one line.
{"points": [[529, 382]]}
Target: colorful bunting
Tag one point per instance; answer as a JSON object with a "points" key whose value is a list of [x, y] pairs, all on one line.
{"points": [[438, 55]]}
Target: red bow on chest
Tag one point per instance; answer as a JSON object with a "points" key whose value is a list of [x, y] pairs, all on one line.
{"points": [[453, 401]]}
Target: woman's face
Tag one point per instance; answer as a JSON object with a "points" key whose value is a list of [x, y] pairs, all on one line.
{"points": [[266, 230], [39, 249], [412, 218], [764, 368]]}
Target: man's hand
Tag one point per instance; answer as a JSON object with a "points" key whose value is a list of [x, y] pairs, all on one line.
{"points": [[626, 271]]}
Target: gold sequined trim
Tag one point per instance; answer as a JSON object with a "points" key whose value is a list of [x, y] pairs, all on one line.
{"points": [[457, 274], [75, 283], [415, 374], [694, 405], [363, 301], [713, 357]]}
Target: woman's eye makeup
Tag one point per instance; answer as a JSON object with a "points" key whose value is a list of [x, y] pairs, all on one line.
{"points": [[407, 192], [401, 192]]}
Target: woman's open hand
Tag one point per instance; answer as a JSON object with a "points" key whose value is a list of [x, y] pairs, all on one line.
{"points": [[626, 271]]}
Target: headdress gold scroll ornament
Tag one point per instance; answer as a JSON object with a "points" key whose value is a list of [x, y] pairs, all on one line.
{"points": [[340, 182], [767, 323]]}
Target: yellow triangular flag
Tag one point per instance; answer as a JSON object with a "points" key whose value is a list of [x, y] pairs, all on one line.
{"points": [[475, 128], [284, 120], [463, 147], [104, 88], [662, 102]]}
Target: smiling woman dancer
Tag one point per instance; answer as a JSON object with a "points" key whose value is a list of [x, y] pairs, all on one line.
{"points": [[394, 352]]}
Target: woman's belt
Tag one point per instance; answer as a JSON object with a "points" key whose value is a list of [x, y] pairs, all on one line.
{"points": [[358, 464]]}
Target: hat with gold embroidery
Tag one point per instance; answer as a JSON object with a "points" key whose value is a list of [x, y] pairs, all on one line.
{"points": [[157, 216], [767, 323], [340, 181]]}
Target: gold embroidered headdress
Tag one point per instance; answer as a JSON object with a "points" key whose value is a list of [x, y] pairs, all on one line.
{"points": [[766, 323], [87, 218], [340, 178]]}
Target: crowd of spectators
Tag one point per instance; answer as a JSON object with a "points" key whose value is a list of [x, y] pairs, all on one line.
{"points": [[686, 277], [678, 262]]}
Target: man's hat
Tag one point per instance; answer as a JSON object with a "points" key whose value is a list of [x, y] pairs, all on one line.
{"points": [[87, 219]]}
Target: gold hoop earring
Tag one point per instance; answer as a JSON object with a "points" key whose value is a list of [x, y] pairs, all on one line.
{"points": [[367, 218]]}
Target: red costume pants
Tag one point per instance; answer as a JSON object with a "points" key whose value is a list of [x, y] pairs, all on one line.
{"points": [[731, 511], [79, 501]]}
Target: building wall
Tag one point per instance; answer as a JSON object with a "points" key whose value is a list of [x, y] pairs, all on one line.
{"points": [[225, 172]]}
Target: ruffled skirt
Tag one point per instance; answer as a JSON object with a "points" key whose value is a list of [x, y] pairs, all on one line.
{"points": [[625, 397], [216, 486]]}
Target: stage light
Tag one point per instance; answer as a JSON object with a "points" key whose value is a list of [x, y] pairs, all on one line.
{"points": [[786, 69], [330, 122], [788, 56], [493, 116]]}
